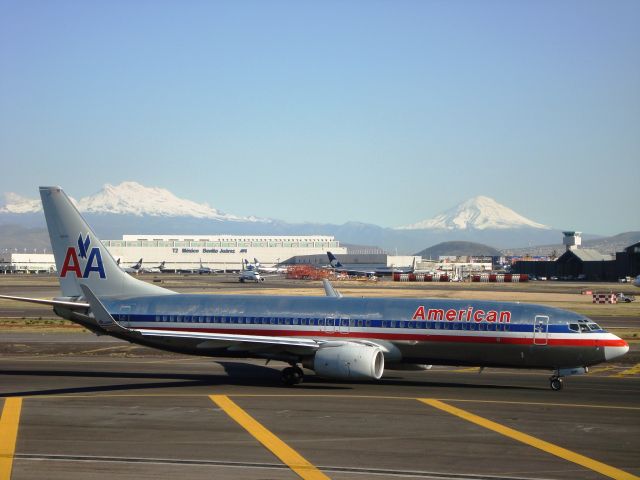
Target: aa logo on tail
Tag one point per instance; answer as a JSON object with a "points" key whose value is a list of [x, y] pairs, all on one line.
{"points": [[93, 260]]}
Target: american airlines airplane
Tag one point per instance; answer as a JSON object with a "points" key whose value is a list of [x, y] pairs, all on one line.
{"points": [[338, 337]]}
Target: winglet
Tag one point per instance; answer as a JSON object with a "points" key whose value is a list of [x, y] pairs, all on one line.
{"points": [[329, 290], [102, 316]]}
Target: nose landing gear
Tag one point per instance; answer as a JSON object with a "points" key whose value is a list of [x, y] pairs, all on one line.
{"points": [[555, 383]]}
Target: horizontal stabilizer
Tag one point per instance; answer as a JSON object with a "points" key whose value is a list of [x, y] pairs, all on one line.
{"points": [[53, 303]]}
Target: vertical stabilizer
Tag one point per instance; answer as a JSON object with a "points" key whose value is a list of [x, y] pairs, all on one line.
{"points": [[81, 259]]}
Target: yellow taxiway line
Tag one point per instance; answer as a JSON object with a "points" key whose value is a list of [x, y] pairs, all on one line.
{"points": [[630, 371], [563, 453], [284, 452], [8, 434]]}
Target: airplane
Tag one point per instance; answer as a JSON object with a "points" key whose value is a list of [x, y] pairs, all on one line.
{"points": [[263, 269], [135, 269], [337, 267], [636, 282], [249, 273], [157, 269], [378, 272], [340, 338], [391, 270], [202, 270], [250, 276]]}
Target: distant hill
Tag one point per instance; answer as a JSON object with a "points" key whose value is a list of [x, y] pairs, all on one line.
{"points": [[14, 237], [459, 249]]}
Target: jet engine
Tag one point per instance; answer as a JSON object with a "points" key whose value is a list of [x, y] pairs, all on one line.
{"points": [[349, 361]]}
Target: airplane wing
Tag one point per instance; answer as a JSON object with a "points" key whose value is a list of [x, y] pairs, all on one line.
{"points": [[329, 290], [232, 337]]}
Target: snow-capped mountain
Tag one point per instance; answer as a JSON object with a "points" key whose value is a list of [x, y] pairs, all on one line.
{"points": [[14, 203], [130, 198], [477, 213]]}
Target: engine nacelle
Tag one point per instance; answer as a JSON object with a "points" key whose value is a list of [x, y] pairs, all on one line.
{"points": [[349, 361]]}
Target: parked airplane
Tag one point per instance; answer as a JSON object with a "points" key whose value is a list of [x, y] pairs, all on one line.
{"points": [[337, 267], [202, 270], [636, 282], [262, 269], [391, 270], [378, 272], [337, 337], [135, 269], [157, 269]]}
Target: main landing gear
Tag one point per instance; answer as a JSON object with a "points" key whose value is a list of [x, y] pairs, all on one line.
{"points": [[292, 375]]}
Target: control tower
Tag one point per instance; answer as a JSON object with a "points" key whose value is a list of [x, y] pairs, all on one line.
{"points": [[572, 240]]}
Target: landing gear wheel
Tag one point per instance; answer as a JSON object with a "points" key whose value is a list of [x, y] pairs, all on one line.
{"points": [[555, 383], [292, 376]]}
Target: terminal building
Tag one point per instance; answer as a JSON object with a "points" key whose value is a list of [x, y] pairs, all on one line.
{"points": [[186, 252], [224, 252], [14, 262]]}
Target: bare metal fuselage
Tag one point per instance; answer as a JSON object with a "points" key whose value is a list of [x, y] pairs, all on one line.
{"points": [[416, 331]]}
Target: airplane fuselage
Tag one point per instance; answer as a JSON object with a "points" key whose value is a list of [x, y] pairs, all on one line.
{"points": [[415, 331]]}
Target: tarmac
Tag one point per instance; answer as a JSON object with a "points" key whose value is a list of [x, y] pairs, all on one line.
{"points": [[77, 406]]}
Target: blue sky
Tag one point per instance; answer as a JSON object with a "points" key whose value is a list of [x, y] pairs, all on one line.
{"points": [[385, 112]]}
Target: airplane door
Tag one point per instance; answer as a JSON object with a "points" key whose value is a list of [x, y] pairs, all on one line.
{"points": [[344, 324], [541, 330]]}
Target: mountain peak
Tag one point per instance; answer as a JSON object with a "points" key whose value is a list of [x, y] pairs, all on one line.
{"points": [[479, 213], [129, 198]]}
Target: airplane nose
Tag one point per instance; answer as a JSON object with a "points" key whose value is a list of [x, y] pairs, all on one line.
{"points": [[617, 351]]}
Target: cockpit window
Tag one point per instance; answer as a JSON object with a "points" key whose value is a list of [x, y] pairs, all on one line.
{"points": [[583, 327], [594, 326], [574, 327]]}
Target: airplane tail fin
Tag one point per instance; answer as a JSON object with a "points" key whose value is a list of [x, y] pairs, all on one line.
{"points": [[333, 261], [81, 258]]}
